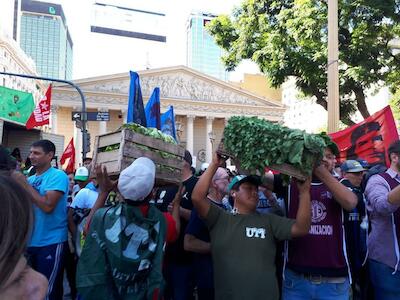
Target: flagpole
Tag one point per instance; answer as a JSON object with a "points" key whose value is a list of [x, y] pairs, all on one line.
{"points": [[333, 70], [85, 140]]}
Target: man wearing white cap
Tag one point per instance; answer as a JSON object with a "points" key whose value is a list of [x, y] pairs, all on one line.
{"points": [[123, 252]]}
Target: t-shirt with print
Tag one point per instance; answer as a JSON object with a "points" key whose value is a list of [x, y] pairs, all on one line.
{"points": [[50, 228], [243, 249]]}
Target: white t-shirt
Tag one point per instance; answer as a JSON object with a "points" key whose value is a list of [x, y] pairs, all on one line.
{"points": [[84, 199]]}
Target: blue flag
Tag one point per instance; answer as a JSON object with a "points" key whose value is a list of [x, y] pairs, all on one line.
{"points": [[135, 102], [152, 110], [168, 122]]}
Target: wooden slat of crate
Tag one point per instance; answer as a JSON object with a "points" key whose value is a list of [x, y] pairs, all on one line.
{"points": [[163, 177], [119, 159], [113, 167], [289, 170], [109, 139], [130, 150], [152, 142]]}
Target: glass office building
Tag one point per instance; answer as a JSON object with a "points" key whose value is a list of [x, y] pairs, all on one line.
{"points": [[203, 54], [44, 36]]}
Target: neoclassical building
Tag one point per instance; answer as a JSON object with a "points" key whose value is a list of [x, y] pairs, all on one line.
{"points": [[202, 105]]}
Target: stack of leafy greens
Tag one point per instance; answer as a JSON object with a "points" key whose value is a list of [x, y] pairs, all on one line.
{"points": [[152, 132], [257, 143]]}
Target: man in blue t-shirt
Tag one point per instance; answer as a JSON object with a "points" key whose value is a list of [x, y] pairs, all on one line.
{"points": [[48, 188]]}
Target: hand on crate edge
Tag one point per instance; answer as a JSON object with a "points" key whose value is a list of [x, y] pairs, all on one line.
{"points": [[106, 185]]}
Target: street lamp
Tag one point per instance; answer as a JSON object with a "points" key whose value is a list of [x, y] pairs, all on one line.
{"points": [[211, 136]]}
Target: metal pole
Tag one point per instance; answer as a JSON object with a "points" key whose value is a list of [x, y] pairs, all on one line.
{"points": [[333, 70], [84, 116]]}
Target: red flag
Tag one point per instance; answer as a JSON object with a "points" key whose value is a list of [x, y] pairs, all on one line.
{"points": [[69, 152], [369, 139], [41, 115]]}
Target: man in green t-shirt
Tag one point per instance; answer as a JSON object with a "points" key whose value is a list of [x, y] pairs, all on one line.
{"points": [[243, 244]]}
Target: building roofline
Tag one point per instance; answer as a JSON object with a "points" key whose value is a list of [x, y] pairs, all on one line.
{"points": [[40, 7], [217, 81]]}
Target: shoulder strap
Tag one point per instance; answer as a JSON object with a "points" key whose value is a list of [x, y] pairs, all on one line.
{"points": [[391, 181]]}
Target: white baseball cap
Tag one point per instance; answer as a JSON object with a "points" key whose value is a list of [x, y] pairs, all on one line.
{"points": [[136, 182], [81, 174]]}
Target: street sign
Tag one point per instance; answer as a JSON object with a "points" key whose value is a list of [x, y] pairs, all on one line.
{"points": [[98, 116], [91, 116], [76, 116]]}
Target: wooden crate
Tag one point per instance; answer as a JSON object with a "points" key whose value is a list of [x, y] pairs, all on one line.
{"points": [[281, 168], [131, 147]]}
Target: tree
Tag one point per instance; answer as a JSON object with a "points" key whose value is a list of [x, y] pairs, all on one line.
{"points": [[395, 104], [289, 38]]}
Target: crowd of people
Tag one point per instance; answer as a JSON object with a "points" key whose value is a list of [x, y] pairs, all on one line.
{"points": [[221, 235]]}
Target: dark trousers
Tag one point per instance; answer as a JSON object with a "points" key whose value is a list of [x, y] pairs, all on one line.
{"points": [[180, 283], [49, 261], [361, 286], [71, 262], [204, 277]]}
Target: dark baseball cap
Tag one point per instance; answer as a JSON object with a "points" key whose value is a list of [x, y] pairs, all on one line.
{"points": [[239, 179], [352, 166], [188, 157]]}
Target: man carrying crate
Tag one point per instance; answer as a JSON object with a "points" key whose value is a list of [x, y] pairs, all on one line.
{"points": [[123, 252]]}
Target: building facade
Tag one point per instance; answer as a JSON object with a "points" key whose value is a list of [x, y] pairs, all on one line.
{"points": [[259, 85], [202, 106], [12, 58], [203, 54], [45, 37]]}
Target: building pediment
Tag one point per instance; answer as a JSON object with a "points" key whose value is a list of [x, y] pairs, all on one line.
{"points": [[177, 83]]}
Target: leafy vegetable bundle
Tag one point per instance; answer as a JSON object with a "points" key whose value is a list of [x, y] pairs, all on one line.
{"points": [[257, 143], [153, 132]]}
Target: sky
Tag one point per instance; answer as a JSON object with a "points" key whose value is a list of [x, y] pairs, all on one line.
{"points": [[98, 54]]}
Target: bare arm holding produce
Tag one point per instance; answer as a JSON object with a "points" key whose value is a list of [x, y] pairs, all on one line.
{"points": [[303, 216], [200, 191], [346, 198], [106, 185]]}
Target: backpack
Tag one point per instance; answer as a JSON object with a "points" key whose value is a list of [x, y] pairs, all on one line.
{"points": [[79, 217], [122, 255], [377, 169]]}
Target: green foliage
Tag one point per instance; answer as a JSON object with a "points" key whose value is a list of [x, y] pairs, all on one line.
{"points": [[153, 132], [395, 105], [289, 38], [257, 143]]}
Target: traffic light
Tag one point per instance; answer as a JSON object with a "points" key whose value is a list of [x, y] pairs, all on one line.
{"points": [[86, 142]]}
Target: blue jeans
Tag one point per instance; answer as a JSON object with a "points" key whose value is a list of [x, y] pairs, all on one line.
{"points": [[386, 285], [296, 287]]}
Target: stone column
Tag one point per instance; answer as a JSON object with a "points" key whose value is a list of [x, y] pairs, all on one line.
{"points": [[53, 118], [209, 136], [124, 113], [189, 133], [102, 124]]}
